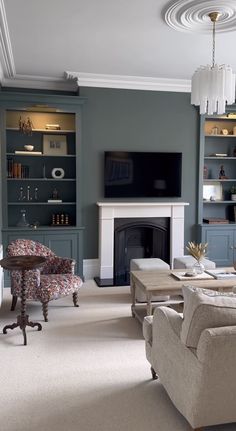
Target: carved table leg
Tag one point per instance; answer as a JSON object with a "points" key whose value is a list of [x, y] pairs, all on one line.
{"points": [[75, 299], [23, 318]]}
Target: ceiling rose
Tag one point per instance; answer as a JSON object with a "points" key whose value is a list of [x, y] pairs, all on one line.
{"points": [[192, 15]]}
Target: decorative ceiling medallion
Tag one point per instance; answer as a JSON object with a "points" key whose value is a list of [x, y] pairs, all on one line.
{"points": [[192, 15]]}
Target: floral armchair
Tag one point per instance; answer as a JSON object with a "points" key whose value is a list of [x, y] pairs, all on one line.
{"points": [[54, 280]]}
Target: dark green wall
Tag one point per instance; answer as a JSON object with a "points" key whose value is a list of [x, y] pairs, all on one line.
{"points": [[141, 121]]}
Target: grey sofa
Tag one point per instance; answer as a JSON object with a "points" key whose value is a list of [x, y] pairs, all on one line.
{"points": [[196, 364]]}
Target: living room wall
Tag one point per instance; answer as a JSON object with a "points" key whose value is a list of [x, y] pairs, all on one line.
{"points": [[136, 120]]}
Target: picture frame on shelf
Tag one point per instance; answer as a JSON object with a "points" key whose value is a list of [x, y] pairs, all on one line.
{"points": [[54, 145], [212, 191]]}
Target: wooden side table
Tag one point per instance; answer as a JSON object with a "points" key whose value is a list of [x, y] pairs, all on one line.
{"points": [[23, 264]]}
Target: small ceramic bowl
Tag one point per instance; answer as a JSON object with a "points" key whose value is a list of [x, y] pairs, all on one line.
{"points": [[28, 147]]}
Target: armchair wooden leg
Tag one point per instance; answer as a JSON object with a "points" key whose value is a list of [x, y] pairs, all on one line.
{"points": [[45, 311], [154, 374], [75, 299], [14, 301]]}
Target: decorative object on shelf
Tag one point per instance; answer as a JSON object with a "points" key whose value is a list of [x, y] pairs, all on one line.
{"points": [[205, 172], [29, 147], [28, 195], [35, 224], [25, 126], [58, 173], [212, 189], [23, 222], [222, 175], [36, 194], [21, 195], [28, 153], [215, 130], [60, 219], [198, 251], [54, 145], [55, 197], [213, 86], [234, 130], [44, 171], [233, 193], [53, 127], [225, 132], [215, 220]]}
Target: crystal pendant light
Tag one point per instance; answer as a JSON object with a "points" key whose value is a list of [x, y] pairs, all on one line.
{"points": [[213, 86]]}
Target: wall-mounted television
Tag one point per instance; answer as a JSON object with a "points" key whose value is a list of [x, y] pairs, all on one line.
{"points": [[142, 174]]}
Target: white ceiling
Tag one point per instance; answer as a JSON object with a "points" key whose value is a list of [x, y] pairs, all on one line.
{"points": [[128, 41]]}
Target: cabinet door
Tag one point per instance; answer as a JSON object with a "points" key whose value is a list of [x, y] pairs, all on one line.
{"points": [[63, 245], [220, 246]]}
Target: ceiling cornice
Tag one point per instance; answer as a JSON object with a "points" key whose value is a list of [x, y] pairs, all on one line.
{"points": [[71, 80], [39, 82], [7, 60], [129, 82]]}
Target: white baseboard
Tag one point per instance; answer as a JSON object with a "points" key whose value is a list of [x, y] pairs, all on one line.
{"points": [[91, 268]]}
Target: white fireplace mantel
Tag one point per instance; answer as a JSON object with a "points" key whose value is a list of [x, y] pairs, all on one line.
{"points": [[108, 211]]}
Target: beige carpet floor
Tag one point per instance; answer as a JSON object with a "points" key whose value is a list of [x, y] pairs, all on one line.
{"points": [[85, 371]]}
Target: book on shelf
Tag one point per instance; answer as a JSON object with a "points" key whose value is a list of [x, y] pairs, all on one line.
{"points": [[31, 153], [221, 274], [215, 220], [219, 155]]}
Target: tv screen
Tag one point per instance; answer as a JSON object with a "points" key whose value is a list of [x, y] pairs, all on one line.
{"points": [[142, 174]]}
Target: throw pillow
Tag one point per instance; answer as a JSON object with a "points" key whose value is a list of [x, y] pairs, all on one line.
{"points": [[204, 308]]}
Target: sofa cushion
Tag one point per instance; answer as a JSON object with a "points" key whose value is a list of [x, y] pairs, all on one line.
{"points": [[204, 308]]}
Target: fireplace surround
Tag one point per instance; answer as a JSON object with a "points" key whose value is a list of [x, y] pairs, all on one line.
{"points": [[109, 211]]}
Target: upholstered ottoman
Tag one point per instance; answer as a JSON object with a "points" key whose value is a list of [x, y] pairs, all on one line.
{"points": [[148, 264], [185, 262]]}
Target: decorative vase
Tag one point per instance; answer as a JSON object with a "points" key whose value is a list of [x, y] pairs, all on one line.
{"points": [[198, 267], [23, 222]]}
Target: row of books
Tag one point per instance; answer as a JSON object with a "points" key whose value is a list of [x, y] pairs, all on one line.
{"points": [[17, 170]]}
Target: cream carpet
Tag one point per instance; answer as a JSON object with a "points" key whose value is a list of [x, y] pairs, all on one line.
{"points": [[85, 371]]}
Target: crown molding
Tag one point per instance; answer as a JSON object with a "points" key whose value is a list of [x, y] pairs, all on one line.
{"points": [[7, 60], [129, 82], [39, 82]]}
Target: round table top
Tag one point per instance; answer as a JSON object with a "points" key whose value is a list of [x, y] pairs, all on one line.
{"points": [[22, 262]]}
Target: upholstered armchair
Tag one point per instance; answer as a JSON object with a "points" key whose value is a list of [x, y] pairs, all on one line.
{"points": [[194, 357], [54, 280]]}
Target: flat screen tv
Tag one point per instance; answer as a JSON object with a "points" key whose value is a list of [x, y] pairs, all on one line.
{"points": [[142, 174]]}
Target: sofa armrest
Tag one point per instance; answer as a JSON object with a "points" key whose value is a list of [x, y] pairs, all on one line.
{"points": [[218, 346], [173, 318]]}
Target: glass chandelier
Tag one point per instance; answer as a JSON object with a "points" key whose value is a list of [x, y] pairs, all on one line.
{"points": [[213, 86]]}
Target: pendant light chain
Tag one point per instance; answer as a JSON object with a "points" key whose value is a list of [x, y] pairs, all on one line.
{"points": [[213, 43]]}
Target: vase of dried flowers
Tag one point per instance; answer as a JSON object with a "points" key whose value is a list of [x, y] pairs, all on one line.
{"points": [[198, 251]]}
